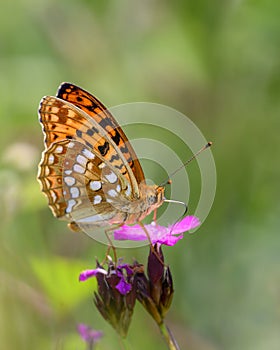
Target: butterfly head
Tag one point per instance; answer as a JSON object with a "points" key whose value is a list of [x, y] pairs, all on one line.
{"points": [[152, 195]]}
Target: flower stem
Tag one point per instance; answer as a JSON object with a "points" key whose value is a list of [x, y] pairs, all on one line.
{"points": [[90, 345], [168, 337], [124, 344]]}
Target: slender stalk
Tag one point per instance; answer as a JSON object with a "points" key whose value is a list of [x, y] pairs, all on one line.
{"points": [[110, 246], [90, 345], [124, 344], [168, 337]]}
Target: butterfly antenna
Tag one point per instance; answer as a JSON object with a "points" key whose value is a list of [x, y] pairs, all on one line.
{"points": [[209, 144]]}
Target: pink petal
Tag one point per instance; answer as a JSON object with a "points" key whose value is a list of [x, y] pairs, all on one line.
{"points": [[170, 240], [134, 233], [157, 233], [186, 224], [88, 334], [123, 287], [86, 274]]}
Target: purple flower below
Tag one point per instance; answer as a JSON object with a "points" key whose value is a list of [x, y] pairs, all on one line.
{"points": [[123, 287], [159, 234], [114, 296], [86, 274], [88, 334]]}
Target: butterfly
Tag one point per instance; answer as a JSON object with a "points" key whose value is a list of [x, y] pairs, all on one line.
{"points": [[89, 171]]}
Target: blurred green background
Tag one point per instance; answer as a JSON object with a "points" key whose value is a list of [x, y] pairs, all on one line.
{"points": [[218, 63]]}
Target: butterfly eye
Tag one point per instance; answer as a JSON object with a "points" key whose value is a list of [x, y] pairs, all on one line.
{"points": [[152, 199]]}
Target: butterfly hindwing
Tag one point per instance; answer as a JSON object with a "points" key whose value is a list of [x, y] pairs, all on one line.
{"points": [[80, 186]]}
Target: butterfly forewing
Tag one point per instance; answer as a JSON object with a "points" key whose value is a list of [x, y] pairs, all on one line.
{"points": [[63, 121], [94, 108], [84, 170]]}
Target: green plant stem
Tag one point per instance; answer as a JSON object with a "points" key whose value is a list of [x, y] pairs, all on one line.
{"points": [[168, 337], [90, 345], [124, 344]]}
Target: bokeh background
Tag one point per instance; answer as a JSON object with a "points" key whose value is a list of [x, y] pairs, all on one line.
{"points": [[218, 63]]}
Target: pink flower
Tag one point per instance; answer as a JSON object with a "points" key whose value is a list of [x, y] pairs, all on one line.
{"points": [[88, 334], [159, 234], [115, 295], [86, 274], [123, 286]]}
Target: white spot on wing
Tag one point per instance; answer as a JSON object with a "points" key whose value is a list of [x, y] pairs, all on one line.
{"points": [[59, 149], [54, 196], [47, 171], [128, 190], [70, 206], [112, 177], [78, 169], [101, 165], [67, 172], [97, 199], [81, 160], [69, 180], [95, 185], [74, 192], [88, 154], [71, 144], [112, 193], [51, 159], [118, 188]]}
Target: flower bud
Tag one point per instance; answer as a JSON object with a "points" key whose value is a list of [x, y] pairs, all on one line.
{"points": [[115, 297], [156, 292]]}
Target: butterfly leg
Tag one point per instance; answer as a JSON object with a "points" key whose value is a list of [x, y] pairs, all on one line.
{"points": [[155, 215], [111, 245], [146, 233]]}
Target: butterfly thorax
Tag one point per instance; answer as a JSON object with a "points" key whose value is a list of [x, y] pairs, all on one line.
{"points": [[131, 211]]}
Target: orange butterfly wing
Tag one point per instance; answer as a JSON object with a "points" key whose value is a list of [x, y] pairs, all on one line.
{"points": [[85, 122], [94, 108], [80, 187]]}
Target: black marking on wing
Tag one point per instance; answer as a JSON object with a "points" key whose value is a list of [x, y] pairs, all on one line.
{"points": [[116, 138], [104, 148], [79, 133], [105, 122], [90, 132], [114, 157]]}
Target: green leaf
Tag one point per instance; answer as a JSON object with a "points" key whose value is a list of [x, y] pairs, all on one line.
{"points": [[59, 279]]}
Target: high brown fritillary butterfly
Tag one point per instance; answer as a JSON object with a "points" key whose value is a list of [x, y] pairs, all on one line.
{"points": [[89, 170]]}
